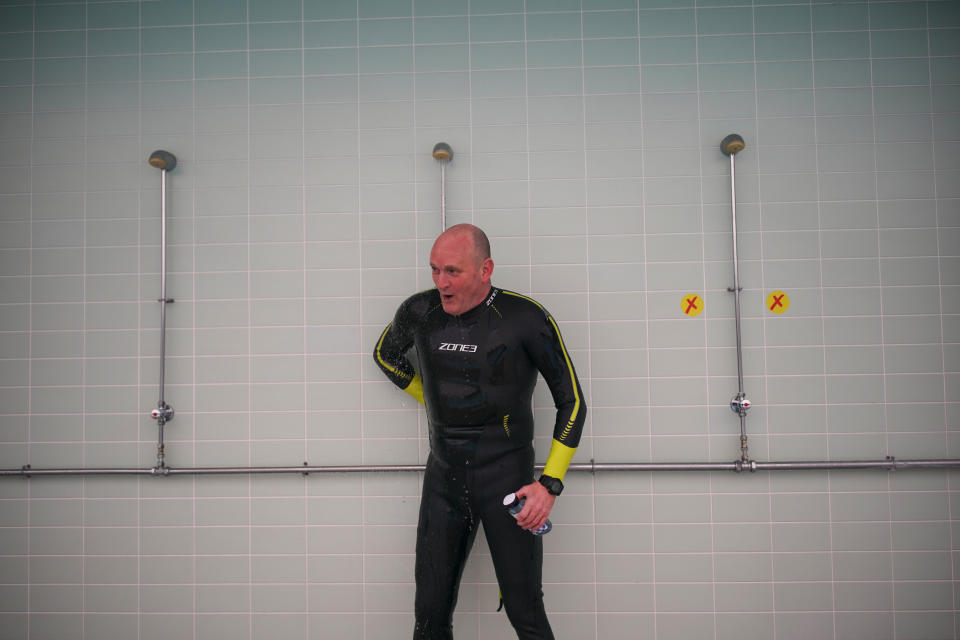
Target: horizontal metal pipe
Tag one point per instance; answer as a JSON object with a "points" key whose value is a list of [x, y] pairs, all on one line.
{"points": [[890, 464], [30, 471]]}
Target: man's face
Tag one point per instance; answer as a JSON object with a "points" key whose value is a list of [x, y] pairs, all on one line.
{"points": [[462, 279]]}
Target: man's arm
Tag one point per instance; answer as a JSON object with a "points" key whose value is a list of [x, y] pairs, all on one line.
{"points": [[390, 354], [549, 353], [558, 371]]}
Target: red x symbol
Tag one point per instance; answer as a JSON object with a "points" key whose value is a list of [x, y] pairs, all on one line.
{"points": [[691, 304], [777, 301]]}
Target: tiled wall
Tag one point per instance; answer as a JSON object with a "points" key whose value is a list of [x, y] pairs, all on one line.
{"points": [[586, 143]]}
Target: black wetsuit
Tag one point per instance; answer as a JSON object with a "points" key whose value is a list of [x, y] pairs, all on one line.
{"points": [[478, 371]]}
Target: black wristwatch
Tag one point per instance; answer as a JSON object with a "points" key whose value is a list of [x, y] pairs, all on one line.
{"points": [[553, 485]]}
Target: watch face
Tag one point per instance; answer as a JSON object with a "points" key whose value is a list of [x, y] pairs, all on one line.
{"points": [[553, 485]]}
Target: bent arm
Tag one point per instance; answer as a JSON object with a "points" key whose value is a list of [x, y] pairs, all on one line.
{"points": [[558, 371], [390, 356]]}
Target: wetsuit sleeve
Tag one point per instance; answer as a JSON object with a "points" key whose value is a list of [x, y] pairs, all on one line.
{"points": [[552, 359], [390, 354]]}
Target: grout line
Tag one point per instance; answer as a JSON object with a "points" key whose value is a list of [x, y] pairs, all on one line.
{"points": [[820, 259], [249, 310], [940, 256], [307, 626], [705, 336], [589, 372], [883, 348], [29, 547], [83, 334], [194, 370], [363, 484], [140, 326]]}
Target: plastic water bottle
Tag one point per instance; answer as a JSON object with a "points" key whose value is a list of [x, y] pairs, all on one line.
{"points": [[515, 505]]}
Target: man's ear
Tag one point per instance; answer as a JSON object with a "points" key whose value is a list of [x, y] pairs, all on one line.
{"points": [[486, 269]]}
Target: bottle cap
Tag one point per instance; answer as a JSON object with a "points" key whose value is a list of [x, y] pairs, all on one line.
{"points": [[509, 499]]}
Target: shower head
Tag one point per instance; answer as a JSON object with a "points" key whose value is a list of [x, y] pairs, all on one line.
{"points": [[442, 152], [163, 160], [732, 144]]}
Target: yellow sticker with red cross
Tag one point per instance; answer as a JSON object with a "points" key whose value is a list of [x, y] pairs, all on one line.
{"points": [[692, 305], [778, 302]]}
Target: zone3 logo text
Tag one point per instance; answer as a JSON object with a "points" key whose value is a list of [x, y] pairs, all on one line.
{"points": [[453, 346]]}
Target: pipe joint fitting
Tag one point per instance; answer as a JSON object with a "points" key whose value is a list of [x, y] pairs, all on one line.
{"points": [[739, 466]]}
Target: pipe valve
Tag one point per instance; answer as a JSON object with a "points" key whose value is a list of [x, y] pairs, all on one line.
{"points": [[163, 412], [740, 404]]}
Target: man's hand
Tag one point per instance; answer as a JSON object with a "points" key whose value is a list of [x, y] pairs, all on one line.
{"points": [[538, 506]]}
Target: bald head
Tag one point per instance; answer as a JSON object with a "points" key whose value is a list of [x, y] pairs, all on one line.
{"points": [[461, 266], [477, 239]]}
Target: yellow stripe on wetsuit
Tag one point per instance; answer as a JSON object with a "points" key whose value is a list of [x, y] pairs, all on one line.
{"points": [[566, 358], [560, 454]]}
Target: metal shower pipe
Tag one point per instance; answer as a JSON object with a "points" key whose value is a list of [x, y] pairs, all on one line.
{"points": [[443, 153], [730, 146], [737, 466], [165, 161]]}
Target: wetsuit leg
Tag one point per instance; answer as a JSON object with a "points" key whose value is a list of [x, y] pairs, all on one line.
{"points": [[445, 534], [517, 554]]}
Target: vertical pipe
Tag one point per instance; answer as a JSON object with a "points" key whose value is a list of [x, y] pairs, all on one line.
{"points": [[161, 402], [165, 161], [443, 153], [443, 196], [736, 275], [163, 281], [730, 146]]}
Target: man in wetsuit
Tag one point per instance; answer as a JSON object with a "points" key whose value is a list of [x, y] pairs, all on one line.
{"points": [[478, 351]]}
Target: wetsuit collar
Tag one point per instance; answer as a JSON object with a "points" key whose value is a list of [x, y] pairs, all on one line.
{"points": [[483, 305]]}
